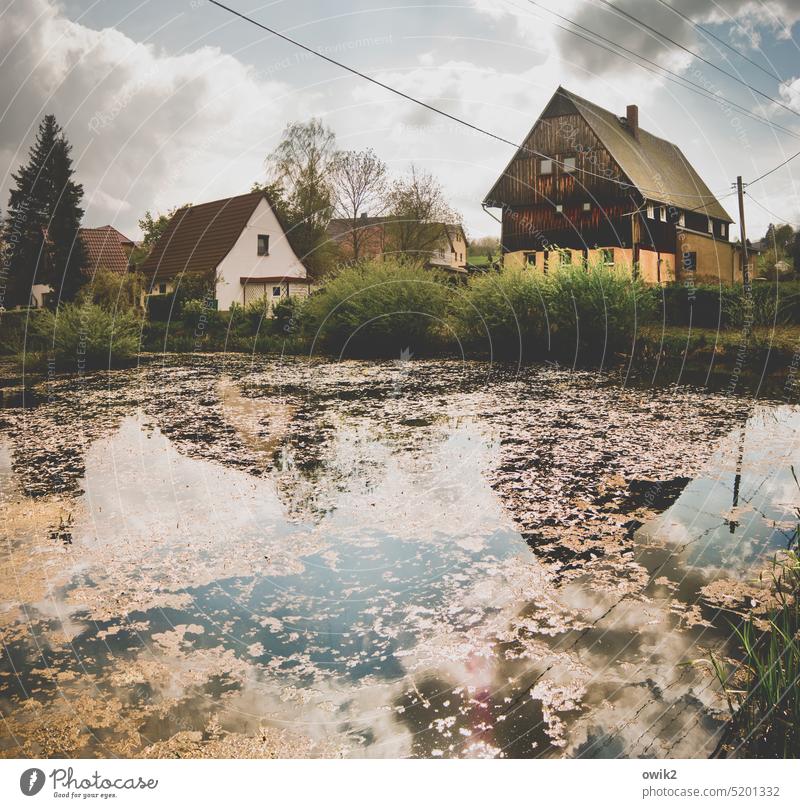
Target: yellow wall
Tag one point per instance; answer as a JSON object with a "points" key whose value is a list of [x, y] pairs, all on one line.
{"points": [[716, 260]]}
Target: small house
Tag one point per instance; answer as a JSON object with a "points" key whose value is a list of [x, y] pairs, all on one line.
{"points": [[374, 238], [238, 242]]}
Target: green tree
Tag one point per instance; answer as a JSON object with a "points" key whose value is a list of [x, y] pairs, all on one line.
{"points": [[301, 166], [43, 218]]}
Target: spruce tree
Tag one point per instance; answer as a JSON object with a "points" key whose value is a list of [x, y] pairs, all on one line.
{"points": [[42, 220], [66, 254]]}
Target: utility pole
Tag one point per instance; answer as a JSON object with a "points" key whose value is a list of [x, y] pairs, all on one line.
{"points": [[745, 266]]}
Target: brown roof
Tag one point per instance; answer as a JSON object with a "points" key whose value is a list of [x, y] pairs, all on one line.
{"points": [[103, 246], [197, 238], [656, 167]]}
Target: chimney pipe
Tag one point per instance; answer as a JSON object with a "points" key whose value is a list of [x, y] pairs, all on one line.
{"points": [[632, 118]]}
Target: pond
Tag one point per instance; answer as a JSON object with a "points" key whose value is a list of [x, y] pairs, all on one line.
{"points": [[226, 556]]}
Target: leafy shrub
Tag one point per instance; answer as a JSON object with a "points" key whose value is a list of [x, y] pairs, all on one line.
{"points": [[524, 313], [596, 310], [712, 306], [378, 308], [113, 290], [82, 336], [503, 313], [161, 308], [200, 316]]}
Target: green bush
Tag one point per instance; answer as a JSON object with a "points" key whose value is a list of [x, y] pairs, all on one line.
{"points": [[713, 306], [502, 313], [596, 310], [113, 290], [379, 308], [82, 336], [526, 314]]}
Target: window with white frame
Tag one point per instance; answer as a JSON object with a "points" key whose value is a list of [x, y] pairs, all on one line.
{"points": [[569, 165], [559, 208], [587, 206], [662, 214], [682, 219], [711, 226], [530, 259], [607, 257], [723, 230], [276, 291], [545, 166], [263, 244], [651, 212]]}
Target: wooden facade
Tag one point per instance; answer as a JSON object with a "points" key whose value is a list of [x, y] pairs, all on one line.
{"points": [[567, 189]]}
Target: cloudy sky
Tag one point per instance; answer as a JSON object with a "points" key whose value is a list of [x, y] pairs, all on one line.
{"points": [[172, 101]]}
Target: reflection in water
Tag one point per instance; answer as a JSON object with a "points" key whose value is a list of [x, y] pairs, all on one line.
{"points": [[336, 576]]}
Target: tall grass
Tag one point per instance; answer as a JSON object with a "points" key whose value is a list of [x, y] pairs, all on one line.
{"points": [[576, 313], [766, 699], [378, 308]]}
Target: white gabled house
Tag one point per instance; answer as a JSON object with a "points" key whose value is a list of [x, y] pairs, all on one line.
{"points": [[240, 240]]}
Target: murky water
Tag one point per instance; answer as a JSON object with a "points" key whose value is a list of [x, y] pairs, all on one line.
{"points": [[219, 557]]}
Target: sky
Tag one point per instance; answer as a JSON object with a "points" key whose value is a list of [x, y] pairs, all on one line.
{"points": [[174, 101]]}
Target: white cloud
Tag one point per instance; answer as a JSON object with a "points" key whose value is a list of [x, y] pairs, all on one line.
{"points": [[149, 130]]}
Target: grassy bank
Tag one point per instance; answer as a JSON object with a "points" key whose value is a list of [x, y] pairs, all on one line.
{"points": [[595, 316]]}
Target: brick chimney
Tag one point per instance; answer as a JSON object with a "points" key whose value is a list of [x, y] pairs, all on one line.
{"points": [[632, 119]]}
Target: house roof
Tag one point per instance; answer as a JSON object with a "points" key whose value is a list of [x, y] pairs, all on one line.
{"points": [[103, 247], [197, 238], [274, 279], [656, 167]]}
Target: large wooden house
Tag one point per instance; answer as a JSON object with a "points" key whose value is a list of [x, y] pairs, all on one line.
{"points": [[590, 185]]}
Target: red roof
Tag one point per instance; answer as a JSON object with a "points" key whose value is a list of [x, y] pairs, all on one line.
{"points": [[103, 246]]}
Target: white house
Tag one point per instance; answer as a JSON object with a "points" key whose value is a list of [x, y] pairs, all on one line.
{"points": [[240, 240]]}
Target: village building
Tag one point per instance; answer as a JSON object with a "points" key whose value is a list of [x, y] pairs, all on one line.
{"points": [[105, 249], [374, 237], [590, 186], [239, 242]]}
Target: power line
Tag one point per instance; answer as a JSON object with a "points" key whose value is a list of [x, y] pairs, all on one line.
{"points": [[772, 170], [475, 127], [767, 210], [677, 44], [721, 41], [671, 75], [432, 108]]}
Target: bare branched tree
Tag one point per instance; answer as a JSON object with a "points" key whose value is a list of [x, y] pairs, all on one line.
{"points": [[359, 185], [418, 209]]}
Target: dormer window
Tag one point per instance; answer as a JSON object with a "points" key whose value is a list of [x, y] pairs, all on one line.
{"points": [[723, 230], [545, 167], [682, 220], [711, 227], [569, 165], [263, 245], [662, 214], [651, 212]]}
